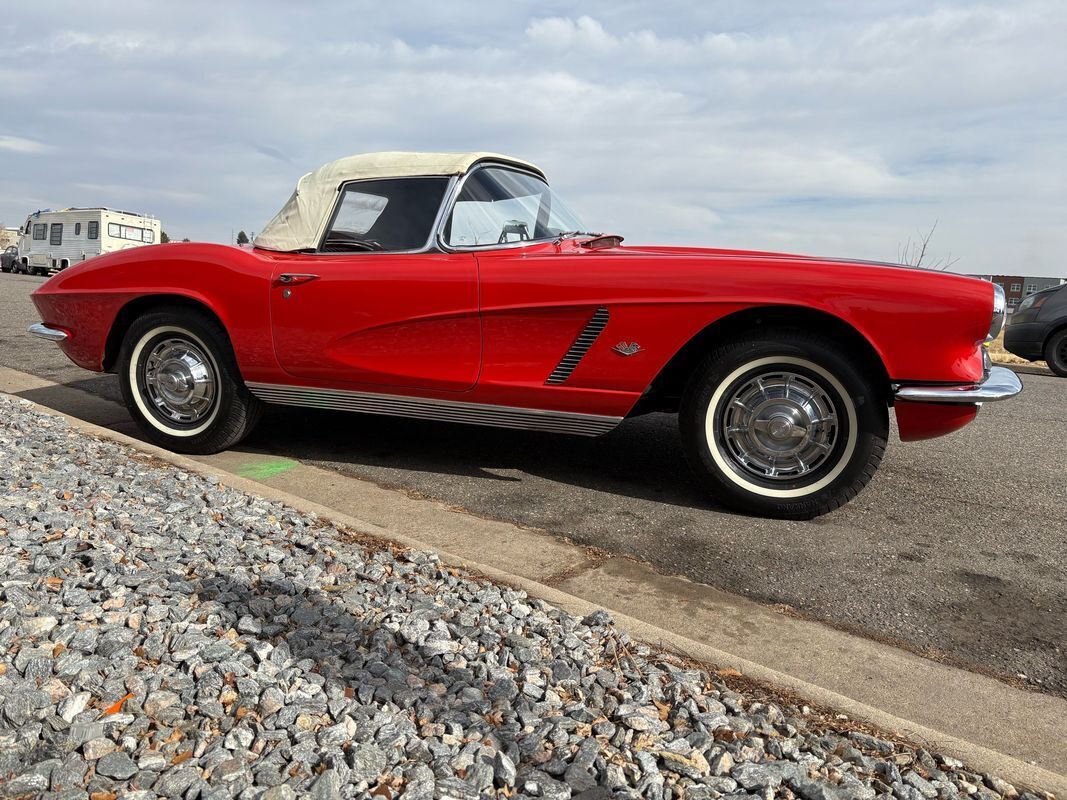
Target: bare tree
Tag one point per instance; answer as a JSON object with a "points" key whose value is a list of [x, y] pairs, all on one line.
{"points": [[914, 252]]}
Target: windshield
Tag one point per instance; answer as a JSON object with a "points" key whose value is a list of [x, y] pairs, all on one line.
{"points": [[502, 206]]}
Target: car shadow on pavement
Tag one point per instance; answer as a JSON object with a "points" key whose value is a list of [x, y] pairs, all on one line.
{"points": [[96, 400], [641, 459]]}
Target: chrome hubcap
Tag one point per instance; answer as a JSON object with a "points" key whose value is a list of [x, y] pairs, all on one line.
{"points": [[779, 425], [179, 379]]}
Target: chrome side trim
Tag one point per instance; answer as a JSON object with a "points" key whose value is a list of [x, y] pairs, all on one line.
{"points": [[531, 419], [1000, 384], [576, 352], [42, 331]]}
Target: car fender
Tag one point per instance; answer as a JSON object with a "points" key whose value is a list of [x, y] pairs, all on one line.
{"points": [[88, 299]]}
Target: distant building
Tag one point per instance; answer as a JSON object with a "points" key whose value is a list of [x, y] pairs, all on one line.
{"points": [[8, 237], [1016, 287]]}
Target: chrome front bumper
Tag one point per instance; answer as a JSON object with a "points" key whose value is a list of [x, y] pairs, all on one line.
{"points": [[1000, 384], [42, 331]]}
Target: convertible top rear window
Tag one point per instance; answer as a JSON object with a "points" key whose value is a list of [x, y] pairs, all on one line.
{"points": [[387, 215]]}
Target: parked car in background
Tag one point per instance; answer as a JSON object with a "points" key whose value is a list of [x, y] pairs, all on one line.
{"points": [[1038, 329], [459, 287], [53, 240], [8, 258]]}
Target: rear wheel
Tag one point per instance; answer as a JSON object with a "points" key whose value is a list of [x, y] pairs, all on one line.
{"points": [[787, 425], [181, 384], [1056, 353]]}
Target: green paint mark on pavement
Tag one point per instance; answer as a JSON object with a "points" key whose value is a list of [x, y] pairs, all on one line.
{"points": [[266, 469]]}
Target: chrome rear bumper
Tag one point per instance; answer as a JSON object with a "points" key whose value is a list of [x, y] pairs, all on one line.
{"points": [[1000, 384], [42, 331]]}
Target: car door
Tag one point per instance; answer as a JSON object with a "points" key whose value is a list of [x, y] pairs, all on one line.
{"points": [[383, 317], [404, 320]]}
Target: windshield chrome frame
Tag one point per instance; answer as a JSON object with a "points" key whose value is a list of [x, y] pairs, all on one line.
{"points": [[450, 204]]}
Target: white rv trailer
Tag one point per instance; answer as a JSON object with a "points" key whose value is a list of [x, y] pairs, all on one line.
{"points": [[53, 240]]}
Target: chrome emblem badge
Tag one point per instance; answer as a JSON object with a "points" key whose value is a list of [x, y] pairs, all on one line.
{"points": [[627, 348]]}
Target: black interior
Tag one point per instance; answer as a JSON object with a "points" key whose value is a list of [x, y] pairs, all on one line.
{"points": [[404, 224]]}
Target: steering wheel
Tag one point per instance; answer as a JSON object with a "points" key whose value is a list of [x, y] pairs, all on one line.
{"points": [[364, 244], [340, 241]]}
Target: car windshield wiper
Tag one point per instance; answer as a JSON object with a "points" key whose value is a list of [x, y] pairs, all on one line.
{"points": [[572, 234]]}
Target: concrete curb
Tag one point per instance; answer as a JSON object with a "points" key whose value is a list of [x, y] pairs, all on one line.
{"points": [[979, 758]]}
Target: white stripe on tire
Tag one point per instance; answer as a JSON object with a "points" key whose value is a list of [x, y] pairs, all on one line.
{"points": [[751, 486], [135, 388]]}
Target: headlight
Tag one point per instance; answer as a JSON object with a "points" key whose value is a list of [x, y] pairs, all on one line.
{"points": [[999, 303]]}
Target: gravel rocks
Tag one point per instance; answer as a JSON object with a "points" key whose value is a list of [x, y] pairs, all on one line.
{"points": [[162, 635], [116, 765]]}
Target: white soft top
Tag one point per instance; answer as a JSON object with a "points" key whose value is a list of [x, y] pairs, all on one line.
{"points": [[300, 223]]}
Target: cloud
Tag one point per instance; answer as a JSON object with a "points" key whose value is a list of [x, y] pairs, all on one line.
{"points": [[563, 33], [127, 192], [272, 152], [16, 144], [823, 127]]}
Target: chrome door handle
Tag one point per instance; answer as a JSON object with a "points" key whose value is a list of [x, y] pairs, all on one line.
{"points": [[289, 278]]}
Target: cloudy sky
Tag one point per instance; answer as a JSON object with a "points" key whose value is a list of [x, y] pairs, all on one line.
{"points": [[828, 127]]}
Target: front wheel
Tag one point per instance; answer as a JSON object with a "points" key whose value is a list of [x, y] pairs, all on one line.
{"points": [[787, 425], [181, 383]]}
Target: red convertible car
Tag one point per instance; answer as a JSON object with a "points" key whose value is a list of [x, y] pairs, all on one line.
{"points": [[460, 288]]}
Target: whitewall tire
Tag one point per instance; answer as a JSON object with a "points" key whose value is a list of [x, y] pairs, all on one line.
{"points": [[181, 384], [176, 378], [787, 425]]}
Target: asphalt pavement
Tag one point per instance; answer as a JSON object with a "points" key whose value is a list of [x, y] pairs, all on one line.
{"points": [[957, 549]]}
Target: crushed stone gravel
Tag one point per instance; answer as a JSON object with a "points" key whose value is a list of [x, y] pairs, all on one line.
{"points": [[162, 635]]}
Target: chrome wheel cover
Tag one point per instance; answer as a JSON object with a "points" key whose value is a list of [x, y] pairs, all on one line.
{"points": [[179, 381], [778, 425]]}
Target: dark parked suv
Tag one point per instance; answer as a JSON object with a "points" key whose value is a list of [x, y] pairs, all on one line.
{"points": [[1038, 329]]}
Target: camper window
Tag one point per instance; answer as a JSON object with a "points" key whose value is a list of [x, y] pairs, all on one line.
{"points": [[55, 236], [39, 231], [93, 231], [77, 229], [145, 235]]}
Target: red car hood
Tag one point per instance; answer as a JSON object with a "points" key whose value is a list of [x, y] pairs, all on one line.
{"points": [[761, 255]]}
